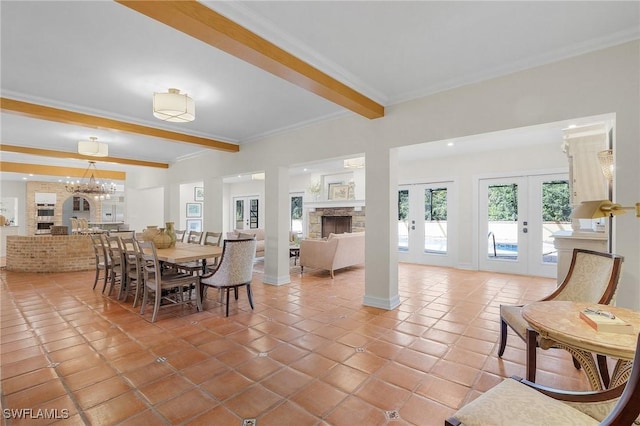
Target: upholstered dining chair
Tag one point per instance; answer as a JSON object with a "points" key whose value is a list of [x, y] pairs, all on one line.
{"points": [[516, 401], [234, 270], [592, 278], [156, 281]]}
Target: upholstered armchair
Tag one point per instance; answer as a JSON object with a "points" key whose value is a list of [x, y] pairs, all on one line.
{"points": [[516, 401], [592, 278]]}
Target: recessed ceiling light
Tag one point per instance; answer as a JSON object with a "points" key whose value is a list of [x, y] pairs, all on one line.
{"points": [[305, 169], [450, 144]]}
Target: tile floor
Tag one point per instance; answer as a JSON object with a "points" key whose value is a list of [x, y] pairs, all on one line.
{"points": [[309, 354]]}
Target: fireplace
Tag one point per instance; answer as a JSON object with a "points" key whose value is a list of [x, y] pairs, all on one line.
{"points": [[323, 221], [335, 225]]}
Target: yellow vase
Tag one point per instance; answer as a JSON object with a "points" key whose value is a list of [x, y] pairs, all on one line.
{"points": [[149, 233], [162, 240]]}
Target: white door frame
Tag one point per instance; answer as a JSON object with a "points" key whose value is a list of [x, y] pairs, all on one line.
{"points": [[416, 253], [476, 200]]}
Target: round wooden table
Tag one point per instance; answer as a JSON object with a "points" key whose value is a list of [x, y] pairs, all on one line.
{"points": [[558, 324]]}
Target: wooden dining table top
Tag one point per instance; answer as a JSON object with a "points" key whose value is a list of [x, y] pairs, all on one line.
{"points": [[184, 252]]}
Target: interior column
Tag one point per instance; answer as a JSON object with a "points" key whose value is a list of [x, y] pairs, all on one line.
{"points": [[381, 263], [276, 219], [213, 205]]}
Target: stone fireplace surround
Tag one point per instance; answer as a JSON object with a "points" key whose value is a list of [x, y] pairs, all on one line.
{"points": [[358, 219]]}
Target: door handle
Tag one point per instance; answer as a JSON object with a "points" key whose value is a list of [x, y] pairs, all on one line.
{"points": [[525, 230]]}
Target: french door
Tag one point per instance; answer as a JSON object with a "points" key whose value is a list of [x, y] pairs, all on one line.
{"points": [[517, 216], [246, 212], [425, 224]]}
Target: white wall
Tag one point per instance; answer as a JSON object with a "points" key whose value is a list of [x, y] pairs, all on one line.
{"points": [[145, 207], [596, 83]]}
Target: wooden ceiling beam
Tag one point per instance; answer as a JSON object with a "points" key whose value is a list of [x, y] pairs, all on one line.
{"points": [[197, 20], [79, 119], [64, 154], [40, 169]]}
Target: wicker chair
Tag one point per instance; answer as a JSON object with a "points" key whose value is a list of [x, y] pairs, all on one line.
{"points": [[592, 278], [234, 270], [516, 401]]}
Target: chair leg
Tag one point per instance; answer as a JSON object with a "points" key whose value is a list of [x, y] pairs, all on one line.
{"points": [[250, 295], [235, 292], [532, 344], [604, 370], [576, 364], [503, 337], [97, 276], [228, 289], [156, 304]]}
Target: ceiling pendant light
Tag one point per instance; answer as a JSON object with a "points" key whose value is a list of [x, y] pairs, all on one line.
{"points": [[93, 148], [174, 106]]}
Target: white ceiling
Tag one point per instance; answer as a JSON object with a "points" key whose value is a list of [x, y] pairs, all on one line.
{"points": [[102, 58]]}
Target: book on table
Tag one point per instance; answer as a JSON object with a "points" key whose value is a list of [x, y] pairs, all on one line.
{"points": [[606, 323]]}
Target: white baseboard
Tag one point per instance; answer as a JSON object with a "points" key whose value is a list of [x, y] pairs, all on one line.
{"points": [[284, 279], [387, 304]]}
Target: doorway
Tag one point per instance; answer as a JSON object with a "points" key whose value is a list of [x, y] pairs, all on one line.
{"points": [[517, 217], [425, 224], [246, 212]]}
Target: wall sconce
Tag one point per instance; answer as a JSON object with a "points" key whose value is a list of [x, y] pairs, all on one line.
{"points": [[601, 208]]}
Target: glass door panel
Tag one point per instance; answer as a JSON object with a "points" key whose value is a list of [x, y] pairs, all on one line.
{"points": [[423, 224]]}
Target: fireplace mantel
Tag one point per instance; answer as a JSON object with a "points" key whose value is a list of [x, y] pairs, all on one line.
{"points": [[334, 204]]}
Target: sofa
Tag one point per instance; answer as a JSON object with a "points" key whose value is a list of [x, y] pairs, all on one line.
{"points": [[258, 233], [336, 252]]}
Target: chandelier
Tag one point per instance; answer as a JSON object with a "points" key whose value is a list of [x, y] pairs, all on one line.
{"points": [[99, 191], [174, 106]]}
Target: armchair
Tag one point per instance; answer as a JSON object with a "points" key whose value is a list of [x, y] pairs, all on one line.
{"points": [[517, 401], [592, 278]]}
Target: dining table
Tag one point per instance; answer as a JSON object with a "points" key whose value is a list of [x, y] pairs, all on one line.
{"points": [[185, 252]]}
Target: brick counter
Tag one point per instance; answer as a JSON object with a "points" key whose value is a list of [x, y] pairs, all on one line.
{"points": [[44, 253]]}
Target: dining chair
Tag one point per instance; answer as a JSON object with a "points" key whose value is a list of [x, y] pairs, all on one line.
{"points": [[165, 285], [234, 270], [180, 233], [517, 401], [212, 239], [133, 256], [74, 226], [592, 278], [117, 264], [102, 260], [83, 225], [194, 237]]}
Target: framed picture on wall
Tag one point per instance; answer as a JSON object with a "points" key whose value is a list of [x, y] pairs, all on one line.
{"points": [[194, 209], [339, 192], [194, 225], [198, 193]]}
